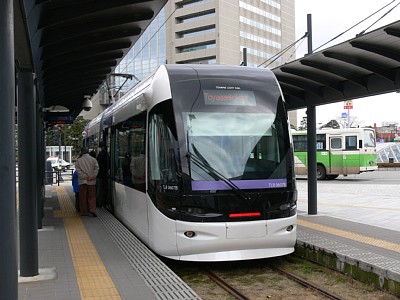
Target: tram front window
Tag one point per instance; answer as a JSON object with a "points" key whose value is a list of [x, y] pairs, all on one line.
{"points": [[235, 146]]}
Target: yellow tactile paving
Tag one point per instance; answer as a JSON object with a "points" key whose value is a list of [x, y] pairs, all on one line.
{"points": [[350, 235], [93, 279]]}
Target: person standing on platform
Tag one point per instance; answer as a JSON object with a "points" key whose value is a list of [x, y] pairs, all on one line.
{"points": [[87, 168], [102, 159], [75, 185]]}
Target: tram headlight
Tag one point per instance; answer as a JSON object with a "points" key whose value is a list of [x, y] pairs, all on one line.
{"points": [[289, 228], [190, 234], [284, 206]]}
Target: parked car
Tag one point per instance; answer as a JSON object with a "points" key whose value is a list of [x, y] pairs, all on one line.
{"points": [[58, 164]]}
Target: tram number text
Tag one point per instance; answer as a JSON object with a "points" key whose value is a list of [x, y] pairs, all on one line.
{"points": [[276, 185], [169, 187]]}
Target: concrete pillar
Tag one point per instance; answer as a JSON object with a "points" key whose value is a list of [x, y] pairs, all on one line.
{"points": [[8, 225], [27, 152]]}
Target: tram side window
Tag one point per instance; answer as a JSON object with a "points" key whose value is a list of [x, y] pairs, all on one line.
{"points": [[351, 142], [129, 154], [163, 150], [92, 142]]}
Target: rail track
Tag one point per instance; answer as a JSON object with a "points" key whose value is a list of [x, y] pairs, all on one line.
{"points": [[278, 278], [307, 284], [240, 296]]}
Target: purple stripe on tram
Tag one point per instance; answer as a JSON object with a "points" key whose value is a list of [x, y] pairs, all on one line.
{"points": [[202, 185]]}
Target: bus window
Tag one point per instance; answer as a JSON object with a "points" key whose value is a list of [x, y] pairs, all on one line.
{"points": [[336, 143], [300, 143], [369, 138], [351, 142], [321, 141]]}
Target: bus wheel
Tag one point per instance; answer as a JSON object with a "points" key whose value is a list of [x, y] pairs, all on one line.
{"points": [[321, 173], [331, 177]]}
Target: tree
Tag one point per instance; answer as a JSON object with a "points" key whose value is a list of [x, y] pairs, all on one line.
{"points": [[354, 122], [70, 134], [331, 124]]}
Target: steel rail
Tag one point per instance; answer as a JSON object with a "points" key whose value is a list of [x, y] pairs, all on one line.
{"points": [[306, 283], [227, 287]]}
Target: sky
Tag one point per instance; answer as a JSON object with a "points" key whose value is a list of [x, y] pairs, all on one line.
{"points": [[331, 18]]}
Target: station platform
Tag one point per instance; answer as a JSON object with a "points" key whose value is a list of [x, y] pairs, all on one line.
{"points": [[98, 258], [357, 228], [94, 258]]}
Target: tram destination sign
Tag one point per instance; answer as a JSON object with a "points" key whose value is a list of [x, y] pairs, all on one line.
{"points": [[229, 97]]}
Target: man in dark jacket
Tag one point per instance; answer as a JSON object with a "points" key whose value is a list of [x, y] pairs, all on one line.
{"points": [[102, 159]]}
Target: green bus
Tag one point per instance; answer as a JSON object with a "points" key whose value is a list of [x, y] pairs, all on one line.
{"points": [[339, 152]]}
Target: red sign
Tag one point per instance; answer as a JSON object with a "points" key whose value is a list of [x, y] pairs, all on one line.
{"points": [[348, 104]]}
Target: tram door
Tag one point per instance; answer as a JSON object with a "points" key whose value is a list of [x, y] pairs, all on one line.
{"points": [[336, 154]]}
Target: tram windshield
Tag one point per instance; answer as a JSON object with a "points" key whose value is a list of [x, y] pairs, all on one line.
{"points": [[243, 148]]}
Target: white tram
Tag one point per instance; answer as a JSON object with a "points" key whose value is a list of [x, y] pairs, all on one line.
{"points": [[201, 163]]}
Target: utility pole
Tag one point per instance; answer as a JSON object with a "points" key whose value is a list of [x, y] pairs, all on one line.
{"points": [[311, 140]]}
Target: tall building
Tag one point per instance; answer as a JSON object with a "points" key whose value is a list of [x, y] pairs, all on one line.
{"points": [[211, 32], [217, 31]]}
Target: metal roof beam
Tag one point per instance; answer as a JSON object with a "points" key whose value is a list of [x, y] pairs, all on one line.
{"points": [[314, 76], [301, 84], [74, 45], [330, 68], [82, 61], [360, 62], [392, 31], [73, 31], [78, 9], [81, 69], [377, 49]]}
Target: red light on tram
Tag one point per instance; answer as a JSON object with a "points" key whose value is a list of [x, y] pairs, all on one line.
{"points": [[244, 215]]}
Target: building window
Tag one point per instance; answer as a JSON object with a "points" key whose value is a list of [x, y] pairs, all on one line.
{"points": [[195, 17], [259, 25], [207, 45], [258, 11], [196, 31], [272, 3], [188, 3], [260, 39]]}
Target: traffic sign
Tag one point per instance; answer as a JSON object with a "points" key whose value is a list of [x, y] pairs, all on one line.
{"points": [[348, 104]]}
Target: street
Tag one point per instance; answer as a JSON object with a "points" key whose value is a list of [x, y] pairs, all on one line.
{"points": [[371, 198]]}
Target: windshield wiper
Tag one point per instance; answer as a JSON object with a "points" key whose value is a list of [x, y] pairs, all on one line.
{"points": [[201, 162]]}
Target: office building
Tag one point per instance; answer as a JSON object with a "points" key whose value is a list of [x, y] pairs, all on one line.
{"points": [[210, 32]]}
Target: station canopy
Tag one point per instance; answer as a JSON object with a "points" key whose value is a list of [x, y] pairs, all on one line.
{"points": [[364, 66], [75, 44]]}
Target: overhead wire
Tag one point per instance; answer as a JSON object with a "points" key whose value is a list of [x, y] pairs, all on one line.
{"points": [[295, 50], [355, 25], [384, 15], [277, 55]]}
